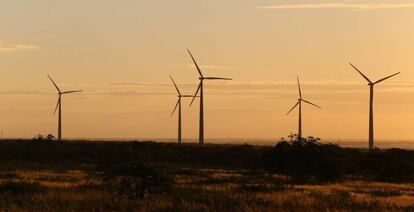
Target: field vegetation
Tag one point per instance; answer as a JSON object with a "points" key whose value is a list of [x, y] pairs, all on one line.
{"points": [[41, 175]]}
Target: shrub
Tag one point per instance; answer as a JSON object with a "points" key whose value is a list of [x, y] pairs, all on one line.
{"points": [[392, 165], [138, 179], [306, 160], [260, 188], [20, 187], [41, 138]]}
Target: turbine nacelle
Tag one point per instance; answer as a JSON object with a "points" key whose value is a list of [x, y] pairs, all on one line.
{"points": [[67, 92]]}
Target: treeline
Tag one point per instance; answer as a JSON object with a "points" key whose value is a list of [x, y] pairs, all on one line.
{"points": [[106, 153], [302, 161], [310, 161]]}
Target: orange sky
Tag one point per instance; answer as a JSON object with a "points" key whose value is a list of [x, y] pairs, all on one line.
{"points": [[122, 53]]}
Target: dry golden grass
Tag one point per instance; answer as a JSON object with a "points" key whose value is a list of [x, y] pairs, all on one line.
{"points": [[204, 190]]}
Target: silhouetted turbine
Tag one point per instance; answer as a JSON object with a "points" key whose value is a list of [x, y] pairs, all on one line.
{"points": [[59, 105], [200, 89], [300, 100], [371, 102], [179, 109]]}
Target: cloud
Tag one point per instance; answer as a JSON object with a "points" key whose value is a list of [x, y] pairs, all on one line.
{"points": [[4, 47], [339, 5], [140, 84], [259, 88], [231, 88], [130, 93], [25, 92], [212, 67]]}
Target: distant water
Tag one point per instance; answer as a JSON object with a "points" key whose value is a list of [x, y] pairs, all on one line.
{"points": [[382, 144], [272, 142]]}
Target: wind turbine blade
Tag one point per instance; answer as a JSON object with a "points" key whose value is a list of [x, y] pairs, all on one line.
{"points": [[386, 78], [361, 73], [76, 91], [175, 85], [300, 91], [57, 105], [198, 68], [175, 108], [297, 103], [217, 78], [311, 103], [195, 95], [53, 82]]}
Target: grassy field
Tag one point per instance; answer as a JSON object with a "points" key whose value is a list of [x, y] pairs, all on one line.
{"points": [[93, 176]]}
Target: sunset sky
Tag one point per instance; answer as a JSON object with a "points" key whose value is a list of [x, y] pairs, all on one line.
{"points": [[121, 54]]}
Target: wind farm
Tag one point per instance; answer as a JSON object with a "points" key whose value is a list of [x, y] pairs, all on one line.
{"points": [[267, 112], [153, 174]]}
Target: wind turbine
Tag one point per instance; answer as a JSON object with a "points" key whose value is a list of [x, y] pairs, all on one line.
{"points": [[200, 89], [299, 102], [59, 105], [371, 102], [179, 109]]}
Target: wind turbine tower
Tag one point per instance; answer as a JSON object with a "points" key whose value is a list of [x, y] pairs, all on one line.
{"points": [[180, 96], [59, 106], [201, 90], [299, 103], [371, 104]]}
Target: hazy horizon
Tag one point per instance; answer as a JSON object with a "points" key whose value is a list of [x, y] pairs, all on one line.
{"points": [[121, 55]]}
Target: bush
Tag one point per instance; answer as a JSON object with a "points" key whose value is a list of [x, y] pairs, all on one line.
{"points": [[20, 187], [41, 138], [392, 165], [306, 160], [260, 188], [310, 161], [138, 179]]}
